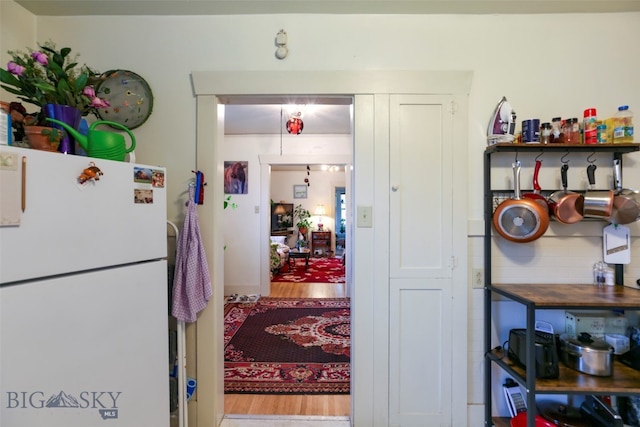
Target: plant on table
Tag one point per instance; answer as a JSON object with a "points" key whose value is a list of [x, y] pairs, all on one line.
{"points": [[302, 216]]}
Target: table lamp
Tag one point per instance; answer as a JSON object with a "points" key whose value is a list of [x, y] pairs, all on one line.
{"points": [[320, 212]]}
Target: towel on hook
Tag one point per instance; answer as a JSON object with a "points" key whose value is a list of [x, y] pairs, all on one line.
{"points": [[191, 284]]}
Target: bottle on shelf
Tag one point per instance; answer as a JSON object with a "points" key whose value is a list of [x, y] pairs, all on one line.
{"points": [[623, 126], [602, 134], [589, 127]]}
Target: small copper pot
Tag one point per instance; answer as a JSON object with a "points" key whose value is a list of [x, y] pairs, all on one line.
{"points": [[567, 206]]}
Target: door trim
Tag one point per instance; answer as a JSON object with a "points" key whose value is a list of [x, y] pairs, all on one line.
{"points": [[266, 161], [369, 406]]}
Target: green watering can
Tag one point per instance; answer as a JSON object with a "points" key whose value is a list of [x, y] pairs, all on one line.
{"points": [[102, 144]]}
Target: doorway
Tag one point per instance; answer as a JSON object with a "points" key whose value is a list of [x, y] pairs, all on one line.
{"points": [[371, 183], [290, 158]]}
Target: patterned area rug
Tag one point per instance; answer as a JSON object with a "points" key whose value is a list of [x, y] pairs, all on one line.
{"points": [[287, 346], [321, 270]]}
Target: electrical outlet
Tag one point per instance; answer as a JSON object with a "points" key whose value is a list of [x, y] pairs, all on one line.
{"points": [[477, 278]]}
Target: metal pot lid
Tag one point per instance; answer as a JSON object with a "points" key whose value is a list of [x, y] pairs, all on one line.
{"points": [[561, 414], [585, 343]]}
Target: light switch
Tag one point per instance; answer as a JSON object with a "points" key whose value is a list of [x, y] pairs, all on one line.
{"points": [[365, 216], [256, 209]]}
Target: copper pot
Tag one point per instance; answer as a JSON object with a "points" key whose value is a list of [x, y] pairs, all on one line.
{"points": [[626, 204], [567, 206]]}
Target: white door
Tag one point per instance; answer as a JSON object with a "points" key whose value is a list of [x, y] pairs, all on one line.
{"points": [[421, 260]]}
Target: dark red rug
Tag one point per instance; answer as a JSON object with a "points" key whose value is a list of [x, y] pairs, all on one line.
{"points": [[321, 270], [288, 346]]}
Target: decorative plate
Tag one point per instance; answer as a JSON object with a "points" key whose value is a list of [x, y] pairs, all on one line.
{"points": [[129, 96]]}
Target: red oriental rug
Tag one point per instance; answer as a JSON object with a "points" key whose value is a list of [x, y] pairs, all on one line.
{"points": [[321, 270], [287, 346]]}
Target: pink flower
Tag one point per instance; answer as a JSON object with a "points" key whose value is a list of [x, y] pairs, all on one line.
{"points": [[40, 57], [89, 91], [15, 69], [99, 103]]}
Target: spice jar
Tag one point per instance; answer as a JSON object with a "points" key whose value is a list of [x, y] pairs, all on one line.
{"points": [[545, 133], [556, 130], [572, 131]]}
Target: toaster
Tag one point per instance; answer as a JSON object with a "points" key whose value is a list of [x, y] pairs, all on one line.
{"points": [[546, 353]]}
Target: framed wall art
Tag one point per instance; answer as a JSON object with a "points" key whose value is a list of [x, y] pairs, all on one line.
{"points": [[281, 216], [299, 191], [236, 177]]}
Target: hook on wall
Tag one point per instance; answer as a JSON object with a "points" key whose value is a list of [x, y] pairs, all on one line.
{"points": [[563, 158], [539, 155], [281, 42], [590, 159]]}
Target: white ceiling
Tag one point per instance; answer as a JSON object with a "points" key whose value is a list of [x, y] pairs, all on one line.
{"points": [[239, 7]]}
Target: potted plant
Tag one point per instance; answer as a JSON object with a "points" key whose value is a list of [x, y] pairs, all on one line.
{"points": [[52, 80], [43, 137], [51, 76], [302, 216]]}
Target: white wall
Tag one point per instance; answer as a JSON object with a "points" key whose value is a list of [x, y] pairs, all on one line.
{"points": [[547, 65], [509, 54]]}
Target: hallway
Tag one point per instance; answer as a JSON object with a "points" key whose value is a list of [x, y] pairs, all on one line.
{"points": [[310, 406]]}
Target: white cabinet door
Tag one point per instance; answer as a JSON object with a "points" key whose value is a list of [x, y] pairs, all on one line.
{"points": [[421, 257]]}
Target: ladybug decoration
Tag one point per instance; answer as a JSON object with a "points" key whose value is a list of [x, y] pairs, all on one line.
{"points": [[90, 173], [295, 125]]}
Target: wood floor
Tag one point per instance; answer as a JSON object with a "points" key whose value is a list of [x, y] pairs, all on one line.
{"points": [[263, 404]]}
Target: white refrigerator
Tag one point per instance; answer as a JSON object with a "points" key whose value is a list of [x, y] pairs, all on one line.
{"points": [[83, 292]]}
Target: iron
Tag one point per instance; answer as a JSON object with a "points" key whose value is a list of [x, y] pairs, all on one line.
{"points": [[502, 125]]}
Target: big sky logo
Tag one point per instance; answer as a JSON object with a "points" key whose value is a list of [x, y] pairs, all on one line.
{"points": [[106, 402]]}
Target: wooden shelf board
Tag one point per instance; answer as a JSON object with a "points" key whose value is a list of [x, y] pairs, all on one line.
{"points": [[507, 147], [501, 421], [624, 380], [571, 295]]}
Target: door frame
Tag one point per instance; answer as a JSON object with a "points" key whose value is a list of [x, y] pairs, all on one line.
{"points": [[369, 402], [268, 160]]}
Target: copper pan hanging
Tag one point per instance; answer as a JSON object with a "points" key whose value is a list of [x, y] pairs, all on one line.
{"points": [[519, 219]]}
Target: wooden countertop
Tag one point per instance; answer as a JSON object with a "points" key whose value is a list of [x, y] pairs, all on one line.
{"points": [[571, 295], [625, 380]]}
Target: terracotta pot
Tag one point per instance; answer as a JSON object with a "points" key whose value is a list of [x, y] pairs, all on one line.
{"points": [[40, 137]]}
